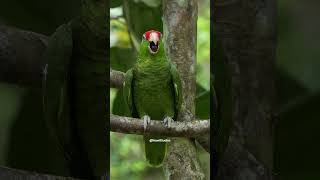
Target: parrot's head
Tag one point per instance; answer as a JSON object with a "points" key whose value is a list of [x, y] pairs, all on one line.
{"points": [[151, 40]]}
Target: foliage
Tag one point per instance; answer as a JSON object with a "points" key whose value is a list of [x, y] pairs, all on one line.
{"points": [[126, 157], [298, 88]]}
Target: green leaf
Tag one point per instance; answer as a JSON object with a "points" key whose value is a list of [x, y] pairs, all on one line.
{"points": [[203, 105], [140, 18], [200, 89], [297, 52], [150, 3], [119, 106], [119, 35], [115, 3], [296, 138], [288, 88]]}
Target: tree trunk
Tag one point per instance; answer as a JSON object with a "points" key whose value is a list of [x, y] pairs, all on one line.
{"points": [[247, 30], [180, 37]]}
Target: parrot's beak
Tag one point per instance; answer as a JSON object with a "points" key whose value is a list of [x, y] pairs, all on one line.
{"points": [[153, 47]]}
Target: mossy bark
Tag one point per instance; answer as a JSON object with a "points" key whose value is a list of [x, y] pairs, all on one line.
{"points": [[180, 36]]}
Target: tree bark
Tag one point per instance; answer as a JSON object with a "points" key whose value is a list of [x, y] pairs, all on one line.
{"points": [[14, 174], [180, 38], [247, 31], [116, 79]]}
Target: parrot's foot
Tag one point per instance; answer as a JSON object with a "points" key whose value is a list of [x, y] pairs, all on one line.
{"points": [[167, 121], [146, 121]]}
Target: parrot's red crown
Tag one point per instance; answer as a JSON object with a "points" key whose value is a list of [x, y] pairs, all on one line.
{"points": [[149, 35]]}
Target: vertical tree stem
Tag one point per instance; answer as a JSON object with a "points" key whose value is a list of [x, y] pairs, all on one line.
{"points": [[180, 36]]}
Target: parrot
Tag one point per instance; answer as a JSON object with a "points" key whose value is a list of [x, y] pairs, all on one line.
{"points": [[221, 104], [74, 91], [152, 90]]}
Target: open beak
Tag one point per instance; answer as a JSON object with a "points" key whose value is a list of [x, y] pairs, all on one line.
{"points": [[153, 47]]}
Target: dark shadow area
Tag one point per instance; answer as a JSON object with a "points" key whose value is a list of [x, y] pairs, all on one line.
{"points": [[30, 147]]}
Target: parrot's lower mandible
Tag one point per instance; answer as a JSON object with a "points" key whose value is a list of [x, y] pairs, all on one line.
{"points": [[152, 90]]}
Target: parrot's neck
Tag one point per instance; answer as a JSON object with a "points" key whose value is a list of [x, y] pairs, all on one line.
{"points": [[153, 64], [152, 67], [152, 73]]}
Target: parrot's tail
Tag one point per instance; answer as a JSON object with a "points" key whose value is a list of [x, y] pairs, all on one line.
{"points": [[155, 150]]}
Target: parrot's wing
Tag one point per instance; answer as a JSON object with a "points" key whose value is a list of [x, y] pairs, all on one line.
{"points": [[127, 91], [177, 88], [57, 58]]}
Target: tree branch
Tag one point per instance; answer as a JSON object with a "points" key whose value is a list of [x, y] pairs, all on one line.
{"points": [[178, 129], [14, 174], [17, 174], [116, 78], [20, 56]]}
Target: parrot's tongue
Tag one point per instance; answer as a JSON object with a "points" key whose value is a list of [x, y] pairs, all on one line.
{"points": [[153, 47]]}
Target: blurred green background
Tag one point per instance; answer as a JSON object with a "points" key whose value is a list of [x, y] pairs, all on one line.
{"points": [[127, 151], [298, 83]]}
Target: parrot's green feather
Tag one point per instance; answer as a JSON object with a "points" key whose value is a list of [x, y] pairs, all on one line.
{"points": [[153, 87], [177, 88], [127, 90], [155, 151]]}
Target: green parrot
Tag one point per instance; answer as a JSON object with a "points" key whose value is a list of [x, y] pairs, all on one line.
{"points": [[74, 91], [152, 90]]}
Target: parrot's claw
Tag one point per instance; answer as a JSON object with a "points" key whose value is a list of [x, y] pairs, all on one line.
{"points": [[167, 121], [146, 121]]}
